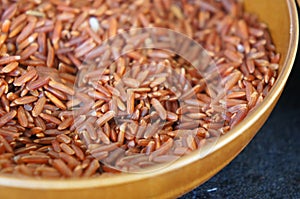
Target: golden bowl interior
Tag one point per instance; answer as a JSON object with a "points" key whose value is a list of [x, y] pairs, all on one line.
{"points": [[191, 170]]}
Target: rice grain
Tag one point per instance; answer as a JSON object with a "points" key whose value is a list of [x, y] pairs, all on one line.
{"points": [[72, 94]]}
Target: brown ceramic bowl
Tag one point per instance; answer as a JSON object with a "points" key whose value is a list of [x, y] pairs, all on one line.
{"points": [[189, 171]]}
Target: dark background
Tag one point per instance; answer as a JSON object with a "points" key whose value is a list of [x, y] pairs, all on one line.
{"points": [[269, 167]]}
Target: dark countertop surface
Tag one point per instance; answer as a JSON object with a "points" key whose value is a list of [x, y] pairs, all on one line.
{"points": [[269, 167]]}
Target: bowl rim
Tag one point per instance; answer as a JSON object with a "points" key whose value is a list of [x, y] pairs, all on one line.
{"points": [[69, 184]]}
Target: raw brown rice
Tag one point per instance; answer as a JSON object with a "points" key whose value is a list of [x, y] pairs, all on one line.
{"points": [[63, 115]]}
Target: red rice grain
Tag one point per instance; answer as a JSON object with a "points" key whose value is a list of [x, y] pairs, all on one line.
{"points": [[64, 112], [61, 167]]}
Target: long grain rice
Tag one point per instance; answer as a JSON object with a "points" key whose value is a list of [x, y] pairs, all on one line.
{"points": [[64, 107]]}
